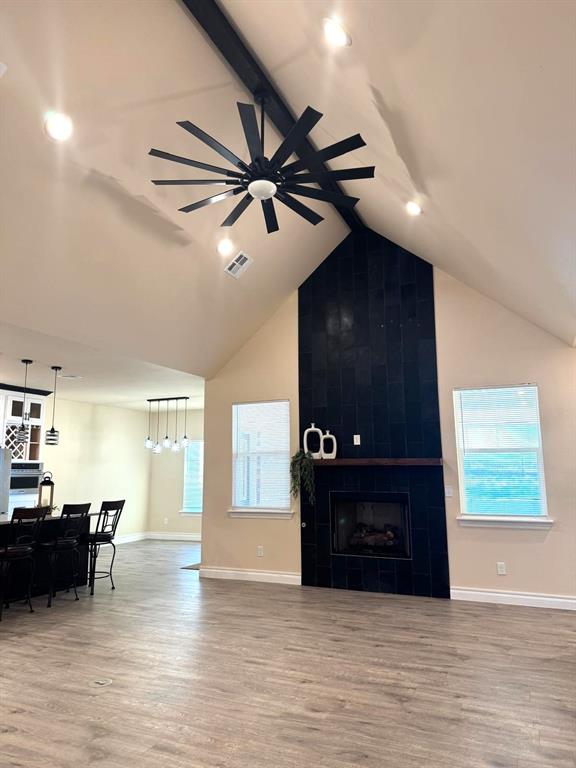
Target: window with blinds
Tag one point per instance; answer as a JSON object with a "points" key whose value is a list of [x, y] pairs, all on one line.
{"points": [[193, 477], [500, 451], [261, 456]]}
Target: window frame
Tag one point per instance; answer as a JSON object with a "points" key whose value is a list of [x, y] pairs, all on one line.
{"points": [[273, 513], [498, 520], [183, 511]]}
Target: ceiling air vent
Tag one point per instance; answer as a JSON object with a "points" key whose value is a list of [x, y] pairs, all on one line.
{"points": [[239, 264]]}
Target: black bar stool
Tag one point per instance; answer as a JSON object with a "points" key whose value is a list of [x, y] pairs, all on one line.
{"points": [[108, 520], [21, 548], [67, 542]]}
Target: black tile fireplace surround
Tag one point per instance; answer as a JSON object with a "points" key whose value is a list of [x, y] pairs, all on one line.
{"points": [[367, 366]]}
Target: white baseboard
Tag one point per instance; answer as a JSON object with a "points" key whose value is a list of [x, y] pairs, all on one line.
{"points": [[126, 538], [241, 574], [167, 536], [528, 599]]}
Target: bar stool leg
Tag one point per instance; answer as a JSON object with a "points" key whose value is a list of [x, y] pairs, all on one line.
{"points": [[112, 563], [52, 564], [3, 568], [31, 583], [75, 569]]}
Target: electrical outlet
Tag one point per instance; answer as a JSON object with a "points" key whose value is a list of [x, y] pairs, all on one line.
{"points": [[165, 521], [259, 551], [501, 568], [357, 440], [449, 491]]}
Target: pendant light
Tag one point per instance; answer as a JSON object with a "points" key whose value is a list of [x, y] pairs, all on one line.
{"points": [[166, 443], [53, 435], [23, 433], [184, 442], [176, 444], [149, 443], [157, 447]]}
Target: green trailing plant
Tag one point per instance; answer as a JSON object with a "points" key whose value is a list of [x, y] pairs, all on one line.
{"points": [[302, 475]]}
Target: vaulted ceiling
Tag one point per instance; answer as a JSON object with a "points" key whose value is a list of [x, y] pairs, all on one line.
{"points": [[469, 107]]}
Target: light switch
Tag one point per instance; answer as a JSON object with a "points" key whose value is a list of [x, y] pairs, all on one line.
{"points": [[357, 440], [449, 491]]}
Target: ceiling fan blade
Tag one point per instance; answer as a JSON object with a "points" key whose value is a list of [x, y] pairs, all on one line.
{"points": [[270, 216], [211, 200], [194, 163], [192, 182], [237, 211], [318, 177], [342, 201], [250, 125], [298, 207], [295, 137], [213, 144], [317, 158]]}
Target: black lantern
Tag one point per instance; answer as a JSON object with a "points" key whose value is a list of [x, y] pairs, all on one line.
{"points": [[46, 491]]}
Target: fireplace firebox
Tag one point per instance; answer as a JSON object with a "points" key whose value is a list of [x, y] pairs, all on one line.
{"points": [[371, 524]]}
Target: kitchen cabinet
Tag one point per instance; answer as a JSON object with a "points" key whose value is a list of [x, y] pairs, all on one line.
{"points": [[11, 408]]}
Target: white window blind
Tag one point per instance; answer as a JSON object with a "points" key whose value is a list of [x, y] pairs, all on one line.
{"points": [[193, 477], [500, 451], [261, 456]]}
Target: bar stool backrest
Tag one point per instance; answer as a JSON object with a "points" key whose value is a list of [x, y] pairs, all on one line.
{"points": [[72, 520], [109, 517], [25, 524]]}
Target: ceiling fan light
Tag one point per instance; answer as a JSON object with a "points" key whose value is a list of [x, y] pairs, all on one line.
{"points": [[335, 33], [262, 189]]}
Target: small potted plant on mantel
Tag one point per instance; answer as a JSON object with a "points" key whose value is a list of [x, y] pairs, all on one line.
{"points": [[302, 475]]}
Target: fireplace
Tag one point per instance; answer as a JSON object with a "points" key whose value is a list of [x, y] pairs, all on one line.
{"points": [[371, 524]]}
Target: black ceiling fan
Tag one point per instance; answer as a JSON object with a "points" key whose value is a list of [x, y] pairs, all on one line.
{"points": [[264, 179]]}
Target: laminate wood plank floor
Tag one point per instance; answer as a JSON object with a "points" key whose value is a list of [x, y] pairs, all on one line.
{"points": [[223, 674]]}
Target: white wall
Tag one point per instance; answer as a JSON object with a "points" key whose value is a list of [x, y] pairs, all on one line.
{"points": [[101, 456]]}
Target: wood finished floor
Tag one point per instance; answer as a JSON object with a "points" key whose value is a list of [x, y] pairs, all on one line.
{"points": [[222, 674]]}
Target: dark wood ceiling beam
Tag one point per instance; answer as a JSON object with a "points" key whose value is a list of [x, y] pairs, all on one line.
{"points": [[240, 58]]}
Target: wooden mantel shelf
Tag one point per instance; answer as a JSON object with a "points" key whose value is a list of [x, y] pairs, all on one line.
{"points": [[378, 462]]}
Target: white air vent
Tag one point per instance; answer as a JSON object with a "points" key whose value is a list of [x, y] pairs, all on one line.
{"points": [[239, 264]]}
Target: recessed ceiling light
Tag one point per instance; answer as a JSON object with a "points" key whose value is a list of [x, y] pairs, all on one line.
{"points": [[58, 126], [225, 246], [413, 208], [335, 33]]}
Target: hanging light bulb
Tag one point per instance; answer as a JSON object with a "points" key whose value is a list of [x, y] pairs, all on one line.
{"points": [[157, 446], [149, 443], [184, 442], [23, 432], [53, 435], [167, 443], [176, 444]]}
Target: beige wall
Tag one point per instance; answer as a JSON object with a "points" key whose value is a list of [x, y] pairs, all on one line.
{"points": [[266, 368], [481, 344], [167, 487], [101, 456]]}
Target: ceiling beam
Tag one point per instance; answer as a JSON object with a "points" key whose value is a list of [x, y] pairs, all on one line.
{"points": [[240, 58]]}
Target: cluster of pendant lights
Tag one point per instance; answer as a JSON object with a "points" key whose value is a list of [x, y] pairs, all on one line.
{"points": [[168, 443], [23, 434]]}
